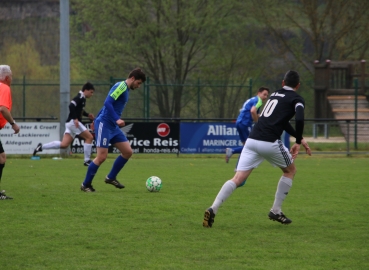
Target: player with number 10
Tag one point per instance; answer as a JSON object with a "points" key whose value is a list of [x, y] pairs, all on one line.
{"points": [[264, 144]]}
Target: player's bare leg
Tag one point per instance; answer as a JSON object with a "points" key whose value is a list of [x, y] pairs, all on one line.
{"points": [[66, 141]]}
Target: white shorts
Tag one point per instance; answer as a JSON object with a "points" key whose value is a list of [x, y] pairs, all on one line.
{"points": [[71, 128], [254, 152]]}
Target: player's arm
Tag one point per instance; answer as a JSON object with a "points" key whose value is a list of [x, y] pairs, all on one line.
{"points": [[5, 99], [109, 106], [73, 112], [299, 122], [89, 115], [254, 114], [8, 116], [299, 128], [6, 113], [290, 130]]}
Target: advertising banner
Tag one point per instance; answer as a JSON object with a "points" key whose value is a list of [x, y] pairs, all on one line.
{"points": [[208, 137], [30, 134], [148, 137], [77, 144]]}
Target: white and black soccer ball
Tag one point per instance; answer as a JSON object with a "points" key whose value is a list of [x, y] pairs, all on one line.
{"points": [[153, 184]]}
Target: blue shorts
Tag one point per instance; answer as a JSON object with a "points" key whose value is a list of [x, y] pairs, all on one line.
{"points": [[243, 131], [106, 133]]}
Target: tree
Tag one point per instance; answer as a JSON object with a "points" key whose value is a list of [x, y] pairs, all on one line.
{"points": [[309, 30], [169, 39], [237, 63], [35, 99], [24, 59]]}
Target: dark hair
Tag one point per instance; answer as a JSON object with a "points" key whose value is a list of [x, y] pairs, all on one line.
{"points": [[261, 89], [291, 79], [138, 74], [88, 86]]}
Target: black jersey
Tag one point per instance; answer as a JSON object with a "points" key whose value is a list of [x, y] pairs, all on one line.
{"points": [[277, 112], [76, 107]]}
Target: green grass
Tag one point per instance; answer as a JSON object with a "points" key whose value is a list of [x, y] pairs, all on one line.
{"points": [[337, 147], [51, 224]]}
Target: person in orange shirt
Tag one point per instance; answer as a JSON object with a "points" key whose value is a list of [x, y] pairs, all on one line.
{"points": [[5, 115]]}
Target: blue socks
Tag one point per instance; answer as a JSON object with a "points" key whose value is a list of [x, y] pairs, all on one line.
{"points": [[117, 166], [91, 171]]}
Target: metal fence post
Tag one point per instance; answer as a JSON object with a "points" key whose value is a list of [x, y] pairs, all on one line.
{"points": [[250, 88], [147, 97], [144, 100], [111, 82], [326, 130], [64, 59], [198, 98], [355, 127], [348, 138], [24, 95]]}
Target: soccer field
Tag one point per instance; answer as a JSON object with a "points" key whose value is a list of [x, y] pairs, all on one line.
{"points": [[51, 224]]}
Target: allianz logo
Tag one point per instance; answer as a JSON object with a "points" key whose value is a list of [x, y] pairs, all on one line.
{"points": [[220, 130]]}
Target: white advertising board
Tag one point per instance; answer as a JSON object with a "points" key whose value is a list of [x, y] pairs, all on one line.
{"points": [[30, 134]]}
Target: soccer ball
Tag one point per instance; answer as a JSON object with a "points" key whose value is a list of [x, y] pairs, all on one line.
{"points": [[153, 184]]}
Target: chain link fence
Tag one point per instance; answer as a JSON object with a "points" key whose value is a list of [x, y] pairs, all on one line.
{"points": [[40, 99]]}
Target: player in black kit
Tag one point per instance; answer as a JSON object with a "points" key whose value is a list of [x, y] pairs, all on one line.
{"points": [[264, 143], [73, 126]]}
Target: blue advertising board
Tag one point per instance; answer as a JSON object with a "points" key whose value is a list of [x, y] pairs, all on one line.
{"points": [[208, 137]]}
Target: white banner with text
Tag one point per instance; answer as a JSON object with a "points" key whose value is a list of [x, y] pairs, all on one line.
{"points": [[30, 134]]}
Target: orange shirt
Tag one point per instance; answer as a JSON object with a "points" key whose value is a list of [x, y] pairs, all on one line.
{"points": [[5, 100]]}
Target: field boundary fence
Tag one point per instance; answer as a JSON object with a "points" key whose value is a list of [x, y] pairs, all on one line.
{"points": [[193, 99]]}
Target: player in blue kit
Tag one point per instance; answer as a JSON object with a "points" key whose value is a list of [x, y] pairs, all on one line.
{"points": [[247, 117], [107, 130]]}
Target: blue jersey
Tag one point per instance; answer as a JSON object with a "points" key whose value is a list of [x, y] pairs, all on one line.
{"points": [[245, 117], [114, 103]]}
